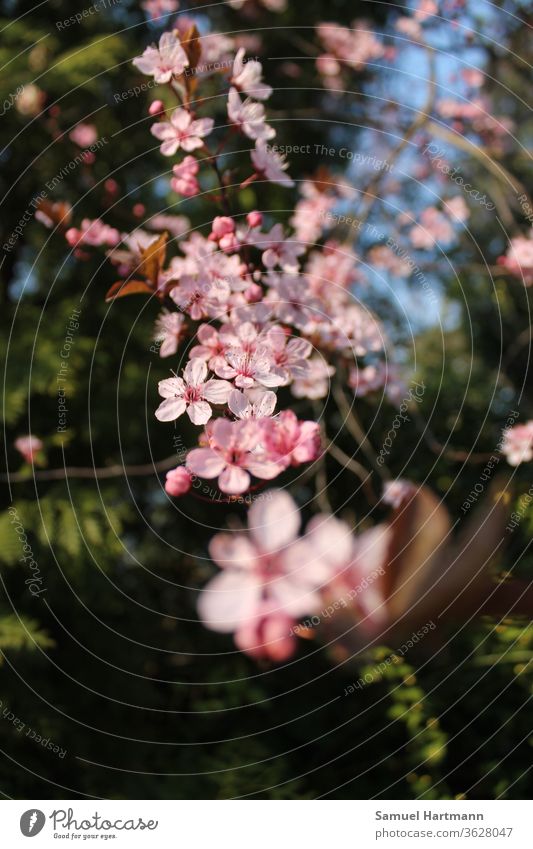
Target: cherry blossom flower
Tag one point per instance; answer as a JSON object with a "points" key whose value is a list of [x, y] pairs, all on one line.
{"points": [[377, 376], [457, 209], [157, 8], [93, 232], [249, 116], [181, 132], [178, 481], [289, 355], [434, 228], [258, 567], [84, 135], [270, 165], [314, 383], [355, 46], [232, 455], [177, 225], [289, 441], [253, 404], [248, 369], [163, 62], [200, 296], [247, 77], [213, 345], [519, 258], [29, 446], [517, 444], [278, 250], [192, 394], [184, 181], [170, 330]]}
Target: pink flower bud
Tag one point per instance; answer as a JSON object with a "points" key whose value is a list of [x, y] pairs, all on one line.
{"points": [[254, 219], [156, 107], [222, 226], [139, 209], [178, 481]]}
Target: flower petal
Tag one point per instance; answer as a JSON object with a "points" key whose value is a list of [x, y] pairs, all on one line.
{"points": [[205, 462], [234, 480], [199, 412], [195, 372], [217, 391], [232, 551], [274, 520], [229, 600], [170, 409]]}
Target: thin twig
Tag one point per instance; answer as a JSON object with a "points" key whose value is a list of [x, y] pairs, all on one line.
{"points": [[94, 473]]}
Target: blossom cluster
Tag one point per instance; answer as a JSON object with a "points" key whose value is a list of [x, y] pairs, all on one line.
{"points": [[261, 316]]}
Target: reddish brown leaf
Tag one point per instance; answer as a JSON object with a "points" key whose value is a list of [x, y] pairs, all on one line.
{"points": [[153, 259], [131, 287]]}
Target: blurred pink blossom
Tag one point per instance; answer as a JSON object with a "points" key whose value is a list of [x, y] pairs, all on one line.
{"points": [[165, 61]]}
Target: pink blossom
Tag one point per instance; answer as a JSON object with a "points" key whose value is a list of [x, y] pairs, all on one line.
{"points": [[170, 329], [290, 442], [247, 77], [28, 446], [157, 8], [222, 226], [278, 250], [232, 455], [201, 297], [192, 394], [163, 62], [270, 165], [377, 376], [434, 228], [314, 383], [84, 135], [254, 219], [184, 181], [181, 132], [519, 258], [177, 225], [249, 116], [289, 355], [213, 345], [249, 368], [93, 232], [356, 46], [262, 574], [457, 209], [178, 482], [309, 219], [517, 444]]}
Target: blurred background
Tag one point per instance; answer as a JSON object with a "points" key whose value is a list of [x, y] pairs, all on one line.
{"points": [[108, 663]]}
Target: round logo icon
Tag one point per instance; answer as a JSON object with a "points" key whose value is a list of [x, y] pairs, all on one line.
{"points": [[32, 822]]}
